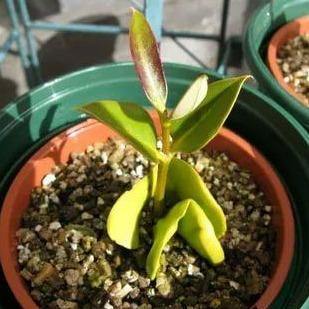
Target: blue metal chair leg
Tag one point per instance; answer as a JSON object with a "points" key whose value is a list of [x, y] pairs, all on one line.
{"points": [[31, 44], [7, 45], [222, 37], [154, 12], [16, 36]]}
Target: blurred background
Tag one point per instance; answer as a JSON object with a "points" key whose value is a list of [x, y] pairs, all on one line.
{"points": [[63, 52]]}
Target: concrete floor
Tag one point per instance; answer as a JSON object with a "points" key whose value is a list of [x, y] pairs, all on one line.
{"points": [[62, 53]]}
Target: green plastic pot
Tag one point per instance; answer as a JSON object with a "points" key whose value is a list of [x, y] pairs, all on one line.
{"points": [[261, 26], [32, 119]]}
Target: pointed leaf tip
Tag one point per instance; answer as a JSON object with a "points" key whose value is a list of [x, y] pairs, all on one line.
{"points": [[196, 129], [145, 54], [192, 98]]}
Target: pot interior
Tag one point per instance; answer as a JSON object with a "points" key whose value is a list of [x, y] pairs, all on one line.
{"points": [[77, 138]]}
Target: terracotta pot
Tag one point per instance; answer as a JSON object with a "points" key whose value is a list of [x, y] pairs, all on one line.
{"points": [[287, 32], [77, 138]]}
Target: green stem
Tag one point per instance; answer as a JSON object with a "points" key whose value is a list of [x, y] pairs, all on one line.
{"points": [[160, 189], [162, 166], [165, 135]]}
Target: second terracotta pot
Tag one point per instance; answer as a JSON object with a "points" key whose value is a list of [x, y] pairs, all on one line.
{"points": [[284, 34]]}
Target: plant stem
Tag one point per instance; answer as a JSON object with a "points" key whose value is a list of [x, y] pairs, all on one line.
{"points": [[165, 135], [160, 189], [162, 166]]}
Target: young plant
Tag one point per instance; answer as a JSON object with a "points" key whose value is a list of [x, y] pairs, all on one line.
{"points": [[197, 118]]}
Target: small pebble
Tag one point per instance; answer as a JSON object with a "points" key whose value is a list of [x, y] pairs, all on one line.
{"points": [[234, 285], [55, 226], [86, 216], [38, 228], [107, 305], [48, 180]]}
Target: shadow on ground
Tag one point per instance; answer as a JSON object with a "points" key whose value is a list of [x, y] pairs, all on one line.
{"points": [[8, 91], [67, 52], [39, 9]]}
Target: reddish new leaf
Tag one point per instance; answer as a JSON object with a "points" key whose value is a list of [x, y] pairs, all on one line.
{"points": [[145, 54]]}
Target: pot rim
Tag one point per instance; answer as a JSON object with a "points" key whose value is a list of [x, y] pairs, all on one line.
{"points": [[281, 36], [260, 26], [228, 138]]}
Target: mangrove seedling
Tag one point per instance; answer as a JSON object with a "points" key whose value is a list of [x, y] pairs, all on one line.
{"points": [[196, 119]]}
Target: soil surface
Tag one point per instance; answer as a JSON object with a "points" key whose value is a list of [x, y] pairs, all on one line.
{"points": [[293, 59], [68, 260]]}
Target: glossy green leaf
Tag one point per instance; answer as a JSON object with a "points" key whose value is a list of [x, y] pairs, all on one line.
{"points": [[131, 121], [163, 231], [145, 54], [190, 221], [192, 98], [123, 220], [198, 231], [153, 174], [195, 130], [184, 182]]}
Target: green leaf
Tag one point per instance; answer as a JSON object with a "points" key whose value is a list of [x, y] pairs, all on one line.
{"points": [[195, 130], [192, 98], [190, 221], [123, 219], [153, 178], [131, 121], [198, 231], [145, 54], [163, 231], [184, 182]]}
